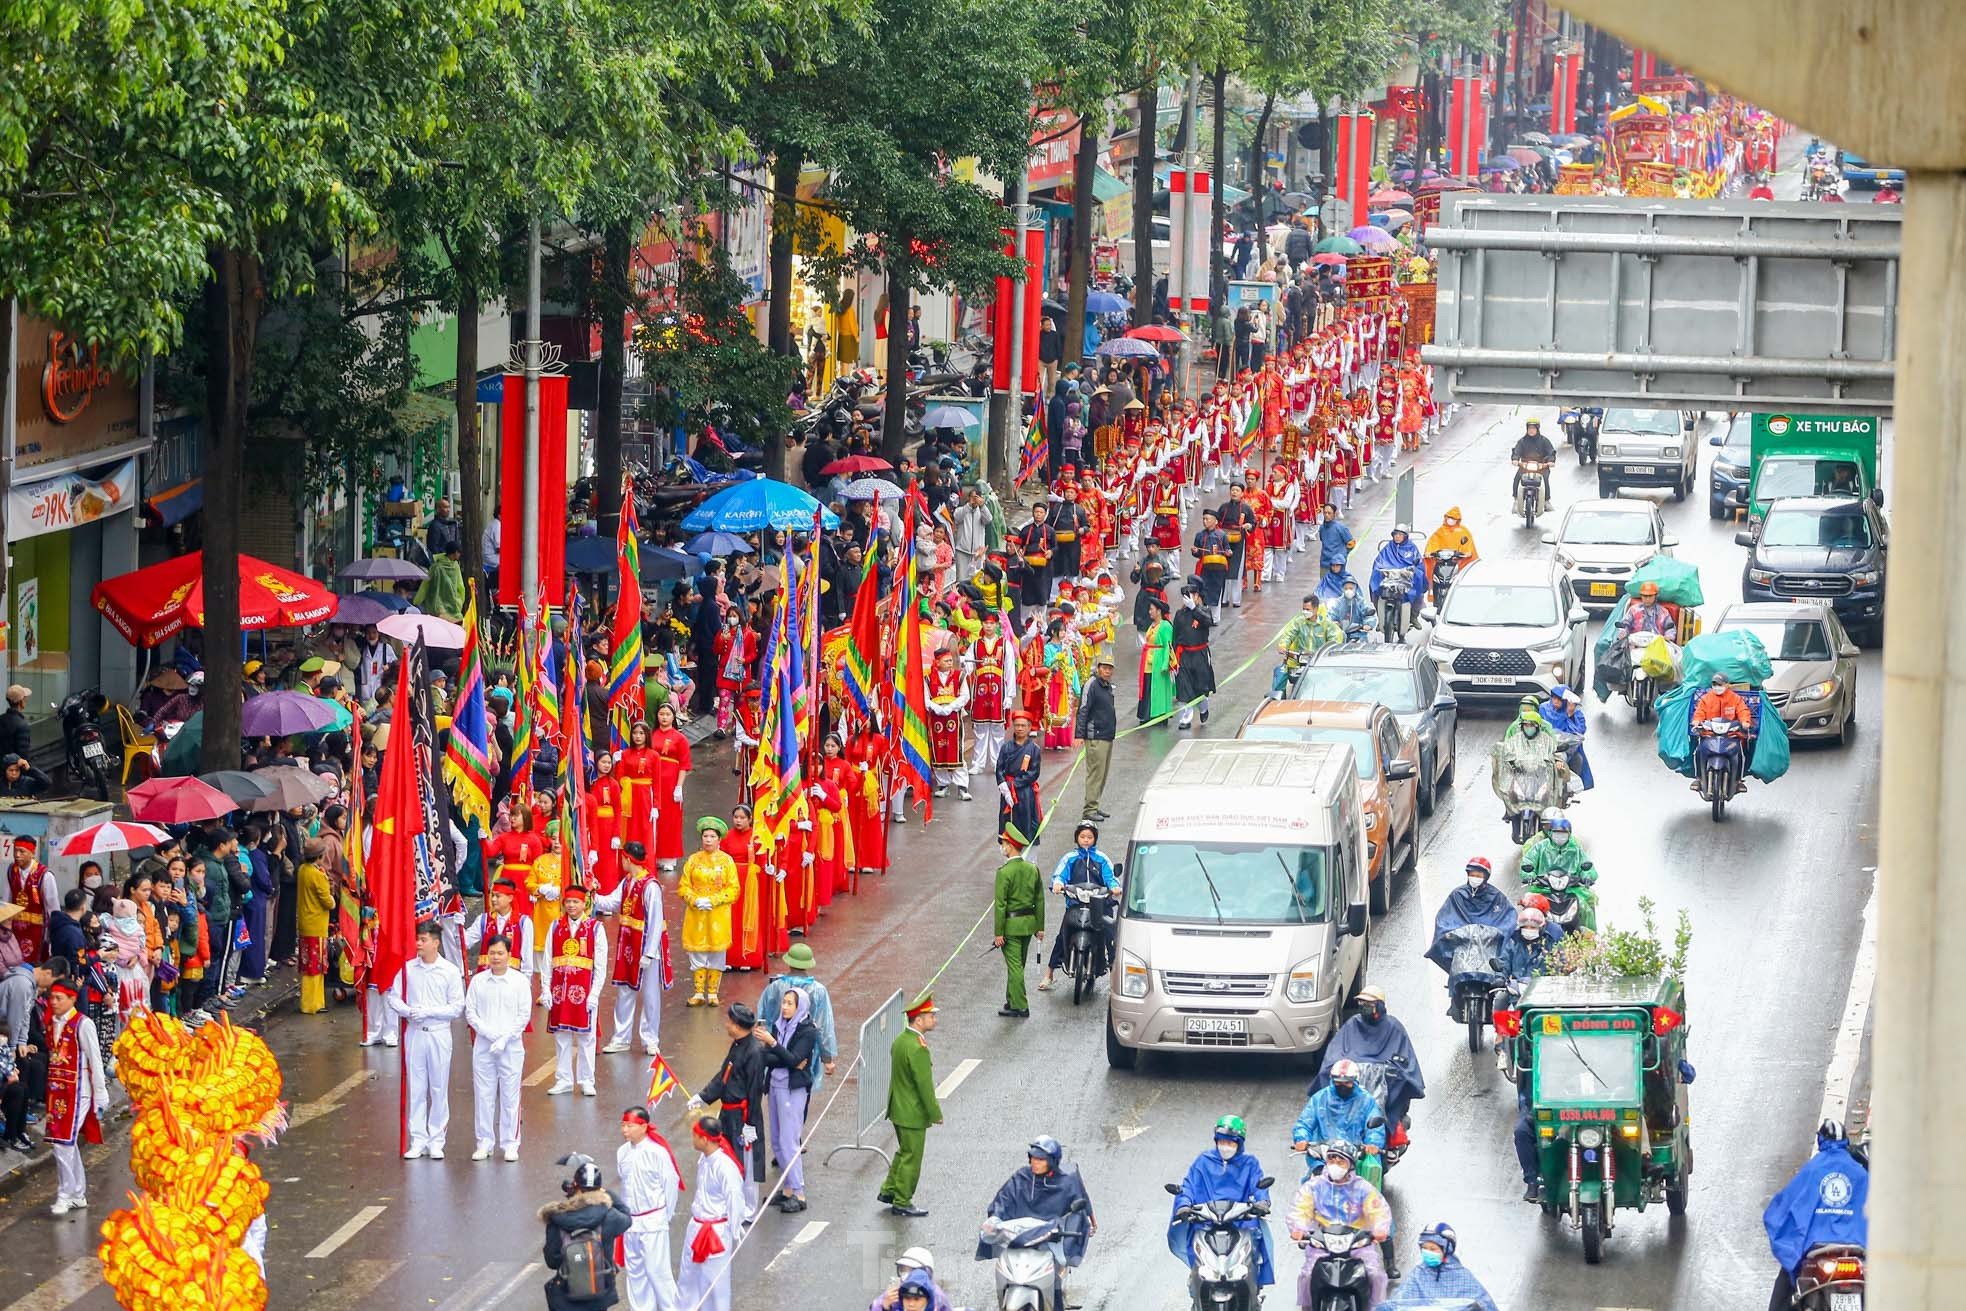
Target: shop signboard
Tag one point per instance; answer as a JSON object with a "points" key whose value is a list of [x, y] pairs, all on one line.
{"points": [[70, 500]]}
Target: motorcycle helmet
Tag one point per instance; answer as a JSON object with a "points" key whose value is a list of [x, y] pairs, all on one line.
{"points": [[1479, 865], [586, 1174], [1535, 901], [1086, 826], [1403, 528], [1340, 1148], [1831, 1131], [1648, 591], [1345, 1072], [1530, 918], [196, 680], [1231, 1126], [1440, 1235], [915, 1258], [1533, 425], [1550, 815], [1049, 1148]]}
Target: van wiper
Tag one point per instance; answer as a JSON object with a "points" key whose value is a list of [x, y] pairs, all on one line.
{"points": [[1303, 911], [1211, 885]]}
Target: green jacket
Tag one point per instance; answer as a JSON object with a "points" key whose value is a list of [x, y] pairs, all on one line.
{"points": [[911, 1100], [1303, 634], [1019, 900], [1542, 856]]}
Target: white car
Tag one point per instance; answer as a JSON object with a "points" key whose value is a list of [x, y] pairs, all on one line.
{"points": [[1510, 628], [1601, 543]]}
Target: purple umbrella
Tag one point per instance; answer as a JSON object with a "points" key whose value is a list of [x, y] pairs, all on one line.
{"points": [[1131, 347], [278, 714], [385, 568], [365, 608]]}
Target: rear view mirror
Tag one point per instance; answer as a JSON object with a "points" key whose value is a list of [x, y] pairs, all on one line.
{"points": [[1429, 613], [1400, 769], [1849, 651], [1549, 539], [1173, 1190], [1578, 614], [1877, 497], [1669, 540], [1119, 869], [1376, 1122], [1744, 539], [1714, 440], [1267, 1181], [1354, 925]]}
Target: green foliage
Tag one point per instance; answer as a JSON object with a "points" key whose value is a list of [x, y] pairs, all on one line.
{"points": [[704, 354], [1626, 953]]}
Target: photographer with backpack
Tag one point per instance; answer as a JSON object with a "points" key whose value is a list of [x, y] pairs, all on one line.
{"points": [[581, 1230]]}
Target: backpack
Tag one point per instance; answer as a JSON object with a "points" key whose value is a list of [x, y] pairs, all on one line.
{"points": [[587, 1264]]}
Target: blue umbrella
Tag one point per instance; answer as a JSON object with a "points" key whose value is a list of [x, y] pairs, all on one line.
{"points": [[1501, 164], [716, 543], [750, 507], [591, 555], [660, 564], [1131, 347], [948, 416], [1105, 302]]}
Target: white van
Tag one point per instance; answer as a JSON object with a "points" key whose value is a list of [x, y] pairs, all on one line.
{"points": [[1243, 912]]}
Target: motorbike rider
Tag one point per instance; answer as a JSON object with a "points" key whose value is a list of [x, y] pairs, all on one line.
{"points": [[1522, 952], [1044, 1189], [1564, 712], [1441, 1279], [1824, 1203], [1335, 541], [1450, 536], [1224, 1173], [1650, 615], [1561, 851], [1309, 631], [1527, 755], [1338, 1113], [1084, 864], [1721, 701], [1349, 610], [1532, 445], [1399, 552], [1373, 1036], [1337, 1198]]}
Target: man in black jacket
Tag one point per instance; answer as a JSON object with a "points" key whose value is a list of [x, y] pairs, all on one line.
{"points": [[739, 1088], [15, 739], [586, 1207], [1098, 723], [65, 937]]}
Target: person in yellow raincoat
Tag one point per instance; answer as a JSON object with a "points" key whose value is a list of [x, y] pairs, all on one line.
{"points": [[707, 887], [544, 884], [1450, 536]]}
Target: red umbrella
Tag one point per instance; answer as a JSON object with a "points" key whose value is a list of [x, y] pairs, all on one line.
{"points": [[116, 835], [1389, 198], [1328, 257], [1157, 332], [178, 801], [857, 464], [151, 604]]}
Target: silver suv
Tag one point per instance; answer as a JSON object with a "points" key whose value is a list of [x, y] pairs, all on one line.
{"points": [[1510, 628], [1646, 448]]}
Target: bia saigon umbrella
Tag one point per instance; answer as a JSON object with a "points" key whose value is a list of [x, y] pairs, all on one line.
{"points": [[151, 604]]}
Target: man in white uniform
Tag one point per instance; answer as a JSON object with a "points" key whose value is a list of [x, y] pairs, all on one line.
{"points": [[650, 1181], [429, 994], [717, 1215], [497, 1006], [640, 951]]}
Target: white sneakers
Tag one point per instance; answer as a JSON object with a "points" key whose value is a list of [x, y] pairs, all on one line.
{"points": [[512, 1152], [558, 1088], [63, 1205], [415, 1153], [587, 1090], [483, 1153], [436, 1151], [618, 1045]]}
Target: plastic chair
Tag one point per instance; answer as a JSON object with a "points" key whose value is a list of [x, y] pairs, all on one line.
{"points": [[137, 744]]}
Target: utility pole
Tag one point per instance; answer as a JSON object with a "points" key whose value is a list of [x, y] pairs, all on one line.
{"points": [[1020, 218], [9, 444], [1178, 273]]}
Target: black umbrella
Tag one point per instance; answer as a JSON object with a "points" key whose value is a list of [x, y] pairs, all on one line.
{"points": [[590, 555], [242, 787]]}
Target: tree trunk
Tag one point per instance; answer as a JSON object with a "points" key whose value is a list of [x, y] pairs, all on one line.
{"points": [[1259, 188], [785, 168], [1084, 211], [894, 415], [1143, 205], [1426, 146], [1218, 266], [232, 308], [470, 476], [615, 297]]}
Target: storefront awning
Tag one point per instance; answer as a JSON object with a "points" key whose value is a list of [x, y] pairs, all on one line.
{"points": [[1104, 186], [1231, 193], [174, 505]]}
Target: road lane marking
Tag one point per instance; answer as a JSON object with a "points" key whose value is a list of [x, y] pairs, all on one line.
{"points": [[354, 1282], [1856, 1014], [542, 1074], [355, 1225], [956, 1077], [329, 1101], [812, 1230], [525, 1275], [489, 1286], [68, 1283]]}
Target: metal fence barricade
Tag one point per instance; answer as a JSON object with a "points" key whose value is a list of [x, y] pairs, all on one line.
{"points": [[872, 1069]]}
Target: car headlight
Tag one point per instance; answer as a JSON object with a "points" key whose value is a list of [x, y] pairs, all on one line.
{"points": [[1607, 448], [1590, 1138], [1373, 821], [1867, 577], [1300, 988], [1670, 453], [1564, 559], [1730, 470], [1762, 576], [1816, 691], [1133, 976], [1439, 643], [1555, 646]]}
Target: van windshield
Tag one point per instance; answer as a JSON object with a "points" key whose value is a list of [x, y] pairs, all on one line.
{"points": [[1237, 883], [1807, 476], [1650, 423]]}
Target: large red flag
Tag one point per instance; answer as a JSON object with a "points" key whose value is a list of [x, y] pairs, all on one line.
{"points": [[392, 844]]}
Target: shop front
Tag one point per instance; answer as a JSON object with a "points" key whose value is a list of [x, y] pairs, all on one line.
{"points": [[70, 521]]}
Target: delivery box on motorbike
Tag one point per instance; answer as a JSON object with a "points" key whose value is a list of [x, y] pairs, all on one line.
{"points": [[1675, 734], [1679, 582]]}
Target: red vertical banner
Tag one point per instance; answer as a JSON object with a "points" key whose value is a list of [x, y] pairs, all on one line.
{"points": [[1460, 118], [1479, 105], [1573, 67], [1341, 168], [1363, 125], [552, 489], [1000, 314]]}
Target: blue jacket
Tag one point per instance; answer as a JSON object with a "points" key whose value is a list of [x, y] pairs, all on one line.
{"points": [[1523, 960], [1824, 1203], [1099, 867], [1327, 1117], [1347, 614], [1334, 543], [1212, 1179], [1398, 555], [1448, 1284]]}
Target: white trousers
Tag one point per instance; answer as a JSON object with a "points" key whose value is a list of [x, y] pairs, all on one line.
{"points": [[989, 741], [956, 777], [649, 997], [427, 1057], [382, 1021], [495, 1078], [1382, 459], [543, 971], [573, 1056], [706, 1284], [648, 1283], [70, 1183]]}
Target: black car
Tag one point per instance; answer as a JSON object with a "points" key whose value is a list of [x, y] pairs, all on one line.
{"points": [[1728, 474], [1822, 548], [1404, 679]]}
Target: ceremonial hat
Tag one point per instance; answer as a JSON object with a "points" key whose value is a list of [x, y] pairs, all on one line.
{"points": [[710, 823], [924, 1005]]}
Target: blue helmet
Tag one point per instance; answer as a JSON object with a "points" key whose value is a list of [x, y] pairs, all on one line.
{"points": [[1561, 824], [1049, 1148], [1441, 1235]]}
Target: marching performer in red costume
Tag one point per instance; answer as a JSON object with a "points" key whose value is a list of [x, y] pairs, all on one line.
{"points": [[77, 1090]]}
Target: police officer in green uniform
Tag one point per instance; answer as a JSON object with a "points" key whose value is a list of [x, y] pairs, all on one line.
{"points": [[1020, 914], [911, 1108]]}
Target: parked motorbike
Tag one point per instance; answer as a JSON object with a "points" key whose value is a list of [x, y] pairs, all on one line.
{"points": [[1446, 565], [1335, 1276], [1223, 1276], [1396, 607], [1087, 909], [81, 732], [1581, 426], [1029, 1260], [1831, 1278], [1532, 490], [1719, 762]]}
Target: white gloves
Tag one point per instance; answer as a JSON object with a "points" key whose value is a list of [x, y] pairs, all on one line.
{"points": [[678, 794], [1009, 798], [549, 891], [777, 873], [696, 1106], [702, 903], [614, 844], [808, 859], [749, 1136], [804, 826]]}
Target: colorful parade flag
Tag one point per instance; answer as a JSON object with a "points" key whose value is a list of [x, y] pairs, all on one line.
{"points": [[1030, 456], [467, 754], [546, 688], [910, 693], [662, 1080], [524, 722], [626, 703], [392, 862], [862, 667], [1251, 426]]}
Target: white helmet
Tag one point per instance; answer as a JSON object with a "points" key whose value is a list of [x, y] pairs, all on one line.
{"points": [[915, 1258]]}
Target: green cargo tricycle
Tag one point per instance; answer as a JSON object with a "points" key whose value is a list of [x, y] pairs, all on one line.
{"points": [[1604, 1062]]}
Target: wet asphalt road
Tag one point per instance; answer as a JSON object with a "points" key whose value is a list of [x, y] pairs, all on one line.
{"points": [[1776, 892]]}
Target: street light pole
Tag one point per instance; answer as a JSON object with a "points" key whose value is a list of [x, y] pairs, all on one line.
{"points": [[531, 351]]}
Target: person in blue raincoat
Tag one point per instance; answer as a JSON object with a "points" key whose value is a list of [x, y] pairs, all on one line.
{"points": [[1334, 540], [1478, 901], [1564, 712], [1338, 1114], [1348, 609], [1224, 1173], [1824, 1203], [1440, 1280], [1399, 552], [1044, 1189]]}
